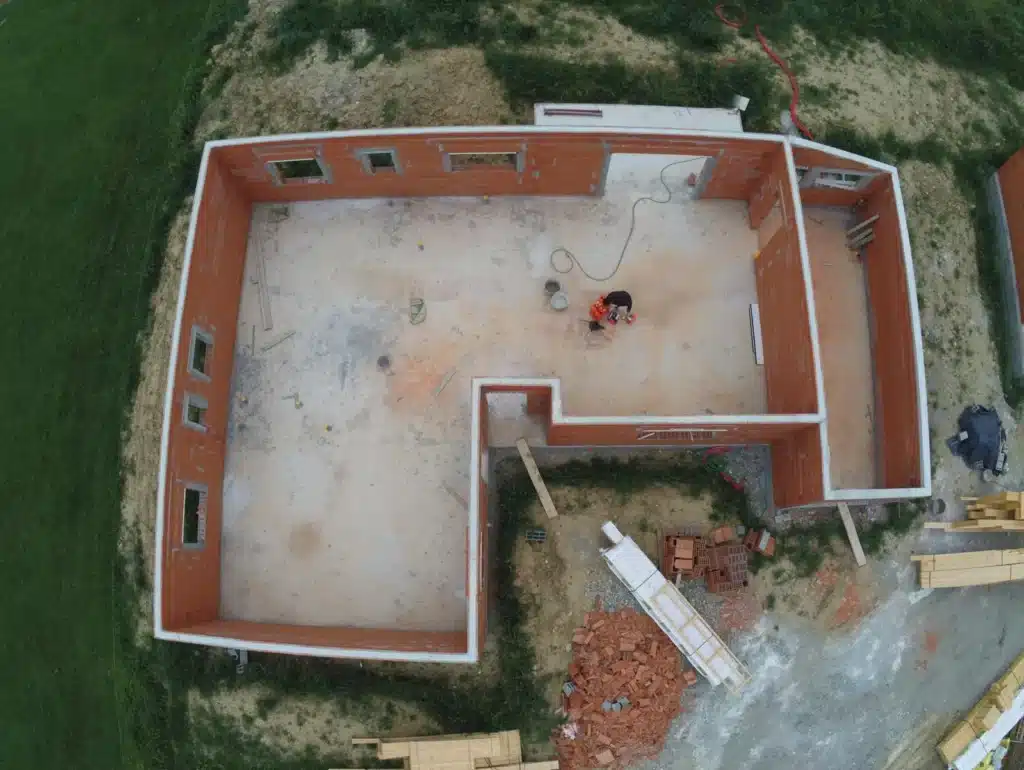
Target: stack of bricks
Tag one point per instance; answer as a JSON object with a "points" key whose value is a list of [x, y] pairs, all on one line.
{"points": [[727, 568], [680, 555], [625, 685], [760, 540], [719, 558], [683, 555]]}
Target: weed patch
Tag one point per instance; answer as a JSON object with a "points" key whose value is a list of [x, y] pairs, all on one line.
{"points": [[805, 547]]}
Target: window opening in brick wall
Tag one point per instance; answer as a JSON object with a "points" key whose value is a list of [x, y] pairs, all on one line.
{"points": [[297, 170], [193, 531], [677, 434], [199, 353], [379, 161], [467, 161], [195, 411], [837, 179]]}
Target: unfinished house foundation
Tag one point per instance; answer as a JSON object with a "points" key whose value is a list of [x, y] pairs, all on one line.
{"points": [[364, 314]]}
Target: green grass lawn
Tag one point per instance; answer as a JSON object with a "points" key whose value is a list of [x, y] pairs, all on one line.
{"points": [[97, 100]]}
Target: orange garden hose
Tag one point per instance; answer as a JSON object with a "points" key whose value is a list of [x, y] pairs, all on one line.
{"points": [[736, 23]]}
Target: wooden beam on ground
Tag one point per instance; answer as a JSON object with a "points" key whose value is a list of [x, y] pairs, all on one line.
{"points": [[861, 225], [535, 477], [851, 533]]}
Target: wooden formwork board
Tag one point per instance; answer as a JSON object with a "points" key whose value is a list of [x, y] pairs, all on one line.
{"points": [[454, 752], [536, 478], [955, 570], [851, 534], [977, 525]]}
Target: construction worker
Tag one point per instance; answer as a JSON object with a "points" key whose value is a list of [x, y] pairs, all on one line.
{"points": [[613, 307]]}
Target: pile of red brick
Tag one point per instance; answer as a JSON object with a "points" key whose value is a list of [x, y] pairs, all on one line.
{"points": [[626, 681]]}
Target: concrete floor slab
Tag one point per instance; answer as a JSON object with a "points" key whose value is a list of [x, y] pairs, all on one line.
{"points": [[840, 298], [348, 451]]}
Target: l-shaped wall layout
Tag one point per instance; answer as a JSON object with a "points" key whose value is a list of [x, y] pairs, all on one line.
{"points": [[765, 171]]}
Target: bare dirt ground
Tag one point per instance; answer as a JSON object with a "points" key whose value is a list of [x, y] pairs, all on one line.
{"points": [[879, 90], [563, 577]]}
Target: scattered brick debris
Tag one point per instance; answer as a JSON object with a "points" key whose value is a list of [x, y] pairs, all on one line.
{"points": [[625, 699]]}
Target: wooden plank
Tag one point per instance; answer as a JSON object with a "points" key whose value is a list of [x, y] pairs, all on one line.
{"points": [[396, 750], [535, 477], [1008, 525], [966, 560], [956, 742], [366, 741], [861, 225], [943, 525], [851, 533], [958, 578]]}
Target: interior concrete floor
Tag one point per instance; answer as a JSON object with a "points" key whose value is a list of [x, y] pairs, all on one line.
{"points": [[840, 298], [348, 454]]}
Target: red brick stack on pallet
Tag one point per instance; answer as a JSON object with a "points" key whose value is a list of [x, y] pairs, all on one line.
{"points": [[684, 555], [626, 682], [719, 558]]}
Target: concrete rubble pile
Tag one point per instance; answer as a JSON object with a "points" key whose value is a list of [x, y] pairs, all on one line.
{"points": [[624, 690]]}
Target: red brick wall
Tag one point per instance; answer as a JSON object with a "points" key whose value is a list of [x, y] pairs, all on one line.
{"points": [[817, 196], [797, 468], [191, 576], [772, 187], [555, 164], [627, 435], [1011, 182], [796, 447], [782, 300], [892, 344], [322, 636]]}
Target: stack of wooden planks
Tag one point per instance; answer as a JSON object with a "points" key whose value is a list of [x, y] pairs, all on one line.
{"points": [[457, 752], [973, 568], [984, 717], [992, 513]]}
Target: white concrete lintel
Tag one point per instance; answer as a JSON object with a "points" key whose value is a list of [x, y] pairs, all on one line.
{"points": [[165, 435], [322, 652], [799, 141], [812, 315], [915, 326], [558, 418], [497, 131], [845, 495]]}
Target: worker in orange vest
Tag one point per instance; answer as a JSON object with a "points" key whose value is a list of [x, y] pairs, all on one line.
{"points": [[613, 307]]}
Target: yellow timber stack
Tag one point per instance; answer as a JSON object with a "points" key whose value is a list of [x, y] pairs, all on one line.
{"points": [[992, 513], [494, 751]]}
